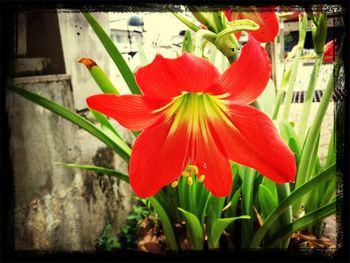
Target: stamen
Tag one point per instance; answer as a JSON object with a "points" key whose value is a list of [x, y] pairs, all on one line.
{"points": [[185, 174], [189, 181], [201, 178], [193, 168], [174, 184]]}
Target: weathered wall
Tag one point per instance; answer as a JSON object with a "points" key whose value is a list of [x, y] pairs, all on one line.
{"points": [[57, 208], [79, 40]]}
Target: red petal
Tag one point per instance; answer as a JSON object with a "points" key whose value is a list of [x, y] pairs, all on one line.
{"points": [[132, 111], [269, 26], [328, 55], [228, 13], [213, 162], [247, 77], [157, 158], [255, 142], [167, 78]]}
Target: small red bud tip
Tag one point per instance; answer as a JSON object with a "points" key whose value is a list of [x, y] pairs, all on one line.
{"points": [[89, 63]]}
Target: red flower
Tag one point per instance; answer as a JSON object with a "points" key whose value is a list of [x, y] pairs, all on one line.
{"points": [[328, 54], [189, 114], [266, 19]]}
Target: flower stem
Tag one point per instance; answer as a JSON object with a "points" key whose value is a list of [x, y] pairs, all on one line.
{"points": [[200, 34], [301, 42], [308, 98], [303, 174], [185, 20]]}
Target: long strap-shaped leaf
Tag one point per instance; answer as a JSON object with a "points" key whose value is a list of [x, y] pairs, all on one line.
{"points": [[98, 169], [114, 53], [119, 146], [301, 191], [166, 223], [304, 221], [194, 229]]}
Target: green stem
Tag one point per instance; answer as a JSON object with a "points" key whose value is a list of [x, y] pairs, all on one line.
{"points": [[304, 169], [301, 42], [278, 103], [185, 21], [295, 195], [166, 223], [210, 36], [308, 98], [247, 205], [286, 218], [289, 95], [114, 53]]}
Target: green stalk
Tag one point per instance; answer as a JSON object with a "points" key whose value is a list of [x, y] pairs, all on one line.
{"points": [[281, 91], [304, 170], [200, 34], [293, 197], [247, 205], [283, 191], [308, 98], [114, 53], [289, 96], [185, 20], [278, 103], [166, 223]]}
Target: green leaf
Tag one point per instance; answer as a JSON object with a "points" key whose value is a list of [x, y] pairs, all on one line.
{"points": [[187, 45], [213, 53], [97, 169], [304, 221], [166, 223], [194, 230], [267, 201], [106, 87], [247, 205], [114, 54], [184, 20], [285, 204], [106, 126], [294, 146], [216, 205], [234, 203], [99, 76], [119, 146], [218, 227], [331, 153], [287, 132], [267, 98], [294, 70]]}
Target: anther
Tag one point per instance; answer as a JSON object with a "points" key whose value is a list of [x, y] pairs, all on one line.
{"points": [[193, 168], [185, 174], [174, 184], [189, 181], [201, 178]]}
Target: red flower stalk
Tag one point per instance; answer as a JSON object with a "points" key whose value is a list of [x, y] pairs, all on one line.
{"points": [[194, 120], [328, 54], [267, 20]]}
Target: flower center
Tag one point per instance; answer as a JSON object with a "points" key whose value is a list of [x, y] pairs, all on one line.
{"points": [[196, 109]]}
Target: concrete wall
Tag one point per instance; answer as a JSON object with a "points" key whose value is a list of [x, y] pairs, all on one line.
{"points": [[79, 40], [57, 208]]}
